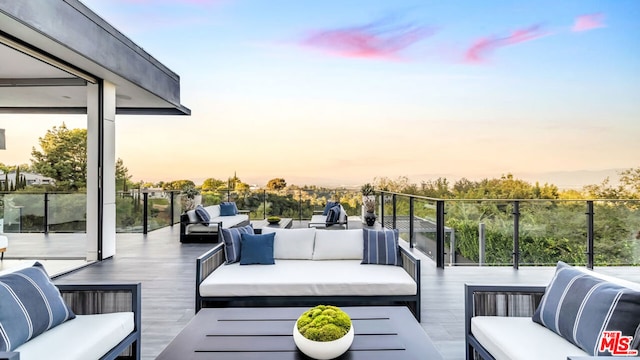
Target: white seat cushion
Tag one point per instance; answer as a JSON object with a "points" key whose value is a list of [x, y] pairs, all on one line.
{"points": [[85, 337], [308, 278], [519, 338], [227, 222], [338, 245], [292, 243], [318, 220], [4, 241]]}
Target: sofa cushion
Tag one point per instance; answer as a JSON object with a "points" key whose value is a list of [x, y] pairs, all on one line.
{"points": [[203, 215], [193, 217], [292, 243], [519, 338], [381, 247], [338, 245], [257, 249], [30, 305], [213, 210], [225, 222], [329, 205], [308, 278], [228, 208], [580, 307], [232, 242], [98, 333]]}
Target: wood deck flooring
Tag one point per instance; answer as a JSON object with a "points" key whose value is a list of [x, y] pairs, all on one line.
{"points": [[166, 270]]}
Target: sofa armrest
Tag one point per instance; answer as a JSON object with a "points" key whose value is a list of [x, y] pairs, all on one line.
{"points": [[87, 299], [205, 265], [497, 300], [246, 212], [9, 355]]}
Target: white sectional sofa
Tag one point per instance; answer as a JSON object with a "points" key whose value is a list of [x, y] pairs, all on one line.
{"points": [[499, 321], [311, 267], [107, 325], [192, 229]]}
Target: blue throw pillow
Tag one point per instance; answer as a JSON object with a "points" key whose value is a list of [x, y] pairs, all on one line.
{"points": [[381, 247], [203, 215], [29, 305], [232, 242], [327, 207], [583, 309], [333, 216], [257, 249], [228, 208]]}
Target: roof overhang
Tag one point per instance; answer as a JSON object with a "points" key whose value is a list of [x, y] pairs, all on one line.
{"points": [[51, 49]]}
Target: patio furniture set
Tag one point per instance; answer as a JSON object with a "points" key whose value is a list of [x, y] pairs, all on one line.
{"points": [[580, 314]]}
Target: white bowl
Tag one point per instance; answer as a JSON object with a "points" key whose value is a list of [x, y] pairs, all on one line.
{"points": [[322, 350]]}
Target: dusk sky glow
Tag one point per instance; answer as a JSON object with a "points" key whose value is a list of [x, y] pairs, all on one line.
{"points": [[340, 92]]}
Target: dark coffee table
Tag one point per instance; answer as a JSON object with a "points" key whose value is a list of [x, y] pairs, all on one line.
{"points": [[258, 225], [266, 333]]}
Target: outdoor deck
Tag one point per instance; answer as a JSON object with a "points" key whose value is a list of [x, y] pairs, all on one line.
{"points": [[166, 269]]}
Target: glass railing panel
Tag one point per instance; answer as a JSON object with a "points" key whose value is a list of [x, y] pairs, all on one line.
{"points": [[465, 219], [424, 225], [402, 217], [67, 212], [552, 231], [159, 211], [129, 212], [23, 213], [616, 233]]}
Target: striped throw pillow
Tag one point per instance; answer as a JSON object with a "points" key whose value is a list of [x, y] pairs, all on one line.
{"points": [[233, 242], [582, 308], [333, 216], [29, 305], [381, 247], [203, 215]]}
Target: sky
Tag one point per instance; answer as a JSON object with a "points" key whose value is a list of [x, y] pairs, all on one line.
{"points": [[341, 92]]}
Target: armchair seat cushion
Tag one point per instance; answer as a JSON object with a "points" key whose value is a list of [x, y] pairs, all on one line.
{"points": [[85, 337], [519, 338]]}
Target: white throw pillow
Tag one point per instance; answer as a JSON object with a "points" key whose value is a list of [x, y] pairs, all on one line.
{"points": [[292, 243], [338, 245], [213, 210]]}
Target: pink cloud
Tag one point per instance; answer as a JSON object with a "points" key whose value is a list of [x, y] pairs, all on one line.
{"points": [[588, 22], [481, 48], [382, 40]]}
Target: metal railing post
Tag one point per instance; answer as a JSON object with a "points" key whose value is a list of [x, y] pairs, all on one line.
{"points": [[440, 234], [516, 234], [172, 195], [300, 205], [264, 204], [382, 208], [411, 228], [394, 214], [145, 212], [46, 212], [590, 234], [481, 244]]}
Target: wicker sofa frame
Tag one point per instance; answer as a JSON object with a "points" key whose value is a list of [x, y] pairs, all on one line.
{"points": [[205, 237], [496, 300], [212, 259], [87, 299]]}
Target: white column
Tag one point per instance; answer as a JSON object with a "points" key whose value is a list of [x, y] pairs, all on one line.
{"points": [[101, 207]]}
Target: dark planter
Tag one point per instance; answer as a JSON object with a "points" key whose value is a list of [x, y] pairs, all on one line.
{"points": [[370, 218]]}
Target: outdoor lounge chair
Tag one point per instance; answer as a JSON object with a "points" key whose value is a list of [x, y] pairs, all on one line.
{"points": [[327, 220]]}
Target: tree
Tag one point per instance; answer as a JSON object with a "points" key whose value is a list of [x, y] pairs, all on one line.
{"points": [[63, 156], [213, 184], [630, 180], [276, 184], [122, 174], [179, 185]]}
